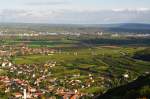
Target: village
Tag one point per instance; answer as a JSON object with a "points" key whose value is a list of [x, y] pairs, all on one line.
{"points": [[20, 77], [38, 80]]}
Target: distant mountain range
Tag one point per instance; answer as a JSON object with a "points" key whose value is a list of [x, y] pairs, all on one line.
{"points": [[119, 27], [126, 27]]}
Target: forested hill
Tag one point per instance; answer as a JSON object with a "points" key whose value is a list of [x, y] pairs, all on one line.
{"points": [[143, 55], [127, 27], [139, 88]]}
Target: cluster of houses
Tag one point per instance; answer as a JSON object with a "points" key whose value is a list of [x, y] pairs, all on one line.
{"points": [[35, 34], [4, 53], [26, 81], [46, 33], [130, 35], [21, 77], [29, 81], [26, 50], [37, 80], [19, 88], [23, 49]]}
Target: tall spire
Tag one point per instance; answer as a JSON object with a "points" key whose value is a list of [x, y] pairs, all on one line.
{"points": [[24, 94]]}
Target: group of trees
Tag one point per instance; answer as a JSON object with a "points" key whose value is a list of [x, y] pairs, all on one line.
{"points": [[143, 55]]}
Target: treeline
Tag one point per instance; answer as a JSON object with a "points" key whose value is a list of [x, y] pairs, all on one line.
{"points": [[143, 55], [111, 41], [138, 89]]}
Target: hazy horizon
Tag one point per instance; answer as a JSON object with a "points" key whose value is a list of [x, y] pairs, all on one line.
{"points": [[75, 11]]}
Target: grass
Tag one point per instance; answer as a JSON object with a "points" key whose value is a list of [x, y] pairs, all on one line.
{"points": [[99, 61], [93, 90], [3, 72], [70, 55], [82, 61]]}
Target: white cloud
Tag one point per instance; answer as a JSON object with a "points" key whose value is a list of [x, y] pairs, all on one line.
{"points": [[118, 10], [76, 16], [143, 9], [51, 2], [129, 9]]}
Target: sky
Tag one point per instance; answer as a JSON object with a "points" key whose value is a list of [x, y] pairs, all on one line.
{"points": [[75, 11]]}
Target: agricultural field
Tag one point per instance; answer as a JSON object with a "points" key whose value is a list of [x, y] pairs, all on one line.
{"points": [[85, 65], [110, 62]]}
